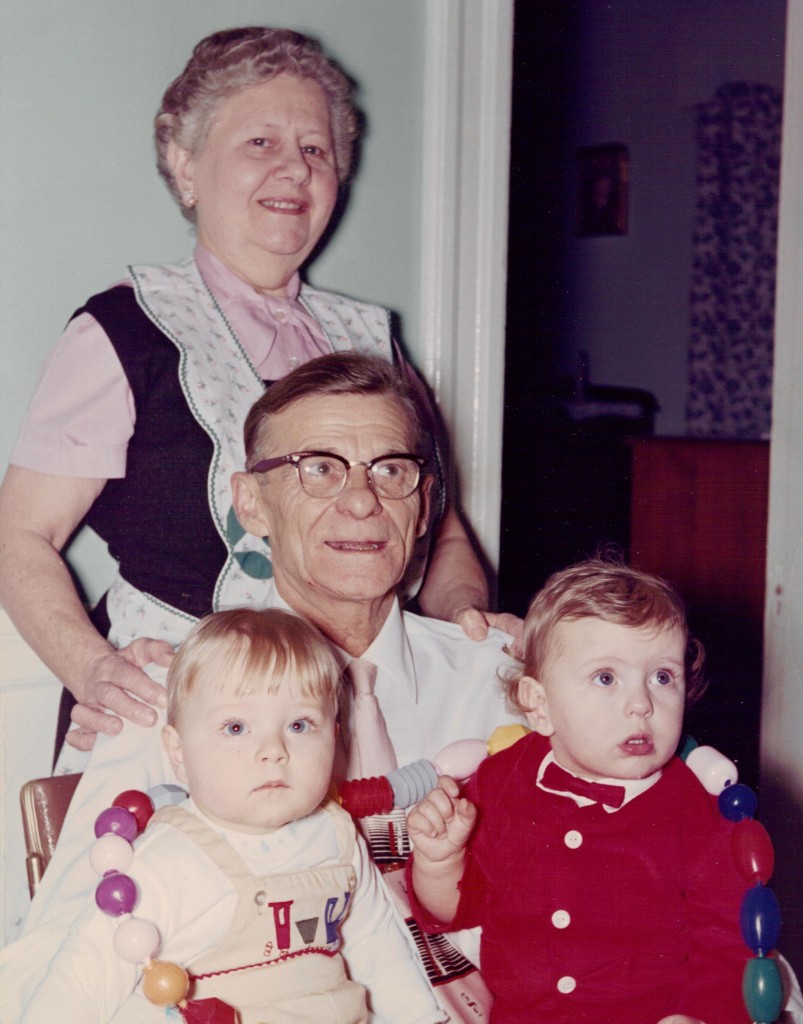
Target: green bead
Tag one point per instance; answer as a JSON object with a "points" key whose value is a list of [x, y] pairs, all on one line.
{"points": [[686, 745], [762, 989]]}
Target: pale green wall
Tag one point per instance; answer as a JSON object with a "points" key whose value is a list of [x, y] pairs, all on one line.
{"points": [[79, 85]]}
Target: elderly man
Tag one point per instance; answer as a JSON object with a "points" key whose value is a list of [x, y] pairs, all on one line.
{"points": [[337, 482]]}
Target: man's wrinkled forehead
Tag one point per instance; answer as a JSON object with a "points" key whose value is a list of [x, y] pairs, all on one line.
{"points": [[294, 424]]}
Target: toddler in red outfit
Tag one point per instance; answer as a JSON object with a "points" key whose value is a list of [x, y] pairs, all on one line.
{"points": [[597, 865]]}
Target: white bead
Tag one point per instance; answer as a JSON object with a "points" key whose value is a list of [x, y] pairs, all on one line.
{"points": [[713, 769], [111, 853], [136, 940]]}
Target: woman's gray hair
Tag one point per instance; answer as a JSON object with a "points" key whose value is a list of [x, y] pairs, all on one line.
{"points": [[225, 63]]}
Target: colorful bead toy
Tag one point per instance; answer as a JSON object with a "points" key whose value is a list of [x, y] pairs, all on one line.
{"points": [[760, 915], [137, 940]]}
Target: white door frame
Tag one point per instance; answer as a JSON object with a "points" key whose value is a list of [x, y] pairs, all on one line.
{"points": [[469, 57], [782, 697]]}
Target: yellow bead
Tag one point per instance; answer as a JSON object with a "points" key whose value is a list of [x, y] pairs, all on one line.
{"points": [[164, 984], [505, 736]]}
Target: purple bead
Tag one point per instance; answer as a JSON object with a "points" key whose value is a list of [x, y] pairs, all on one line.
{"points": [[117, 821], [116, 894], [737, 802]]}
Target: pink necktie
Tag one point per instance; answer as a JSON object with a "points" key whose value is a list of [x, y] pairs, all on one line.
{"points": [[370, 750]]}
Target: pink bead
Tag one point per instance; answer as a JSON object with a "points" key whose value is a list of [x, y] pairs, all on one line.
{"points": [[136, 940], [713, 769], [461, 758], [111, 853], [116, 894], [117, 820]]}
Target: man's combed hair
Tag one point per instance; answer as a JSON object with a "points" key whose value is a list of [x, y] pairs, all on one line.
{"points": [[339, 373], [604, 588], [259, 649], [226, 62]]}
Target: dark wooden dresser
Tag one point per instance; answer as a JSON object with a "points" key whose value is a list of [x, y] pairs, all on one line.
{"points": [[699, 518]]}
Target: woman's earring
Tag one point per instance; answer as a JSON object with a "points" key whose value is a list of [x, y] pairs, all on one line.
{"points": [[190, 198]]}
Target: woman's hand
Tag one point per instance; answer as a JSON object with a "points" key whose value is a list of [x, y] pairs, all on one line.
{"points": [[38, 514], [475, 624], [455, 588], [116, 688]]}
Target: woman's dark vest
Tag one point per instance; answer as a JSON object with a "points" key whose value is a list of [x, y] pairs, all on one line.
{"points": [[156, 518]]}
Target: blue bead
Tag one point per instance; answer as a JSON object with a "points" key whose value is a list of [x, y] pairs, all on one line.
{"points": [[737, 802], [760, 920]]}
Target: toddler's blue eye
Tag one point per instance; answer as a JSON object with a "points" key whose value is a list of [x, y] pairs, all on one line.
{"points": [[604, 679], [663, 677], [235, 728], [300, 725]]}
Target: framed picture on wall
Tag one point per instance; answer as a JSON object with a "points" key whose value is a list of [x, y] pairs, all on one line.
{"points": [[602, 190]]}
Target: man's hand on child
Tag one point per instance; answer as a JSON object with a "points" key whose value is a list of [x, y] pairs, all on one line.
{"points": [[442, 822]]}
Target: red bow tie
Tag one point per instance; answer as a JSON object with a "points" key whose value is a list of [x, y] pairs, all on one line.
{"points": [[559, 779]]}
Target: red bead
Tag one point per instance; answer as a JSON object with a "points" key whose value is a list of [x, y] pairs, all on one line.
{"points": [[138, 803], [208, 1011], [752, 850]]}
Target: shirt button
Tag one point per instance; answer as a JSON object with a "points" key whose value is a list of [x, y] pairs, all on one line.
{"points": [[573, 839], [561, 919], [567, 984], [281, 315]]}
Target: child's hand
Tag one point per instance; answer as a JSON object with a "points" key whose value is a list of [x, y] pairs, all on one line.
{"points": [[442, 822]]}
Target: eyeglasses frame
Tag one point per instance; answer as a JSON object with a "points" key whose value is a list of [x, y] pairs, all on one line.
{"points": [[294, 459]]}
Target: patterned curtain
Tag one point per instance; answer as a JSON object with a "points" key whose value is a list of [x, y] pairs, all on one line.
{"points": [[733, 272]]}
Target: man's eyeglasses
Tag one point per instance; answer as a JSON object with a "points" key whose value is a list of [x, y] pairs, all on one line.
{"points": [[323, 474]]}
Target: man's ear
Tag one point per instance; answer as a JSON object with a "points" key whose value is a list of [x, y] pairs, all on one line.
{"points": [[425, 493], [533, 697], [180, 162], [174, 750], [248, 504]]}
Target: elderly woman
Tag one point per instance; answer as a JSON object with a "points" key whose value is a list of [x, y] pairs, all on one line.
{"points": [[136, 426]]}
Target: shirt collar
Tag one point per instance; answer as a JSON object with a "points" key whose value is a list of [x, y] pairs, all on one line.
{"points": [[390, 650], [632, 787]]}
